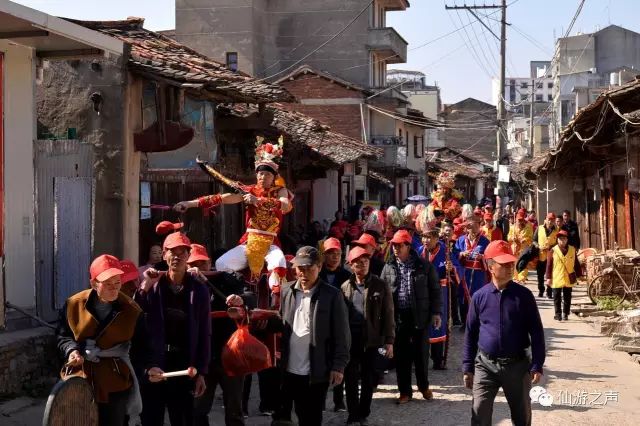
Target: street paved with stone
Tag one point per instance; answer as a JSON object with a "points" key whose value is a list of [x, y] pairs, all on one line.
{"points": [[590, 384]]}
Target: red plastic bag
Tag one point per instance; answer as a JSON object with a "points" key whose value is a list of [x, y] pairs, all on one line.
{"points": [[244, 354]]}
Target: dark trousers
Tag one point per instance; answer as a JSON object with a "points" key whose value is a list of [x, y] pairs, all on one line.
{"points": [[411, 348], [175, 395], [231, 396], [515, 381], [269, 388], [360, 370], [307, 398], [455, 308], [541, 269], [562, 296], [437, 351], [338, 396], [114, 412]]}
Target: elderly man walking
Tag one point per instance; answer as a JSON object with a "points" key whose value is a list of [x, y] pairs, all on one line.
{"points": [[503, 322], [315, 340], [417, 301], [372, 326]]}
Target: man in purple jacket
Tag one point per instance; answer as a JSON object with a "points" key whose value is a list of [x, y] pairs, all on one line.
{"points": [[176, 307], [503, 321]]}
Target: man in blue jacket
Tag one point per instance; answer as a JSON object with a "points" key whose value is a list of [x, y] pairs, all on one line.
{"points": [[503, 322]]}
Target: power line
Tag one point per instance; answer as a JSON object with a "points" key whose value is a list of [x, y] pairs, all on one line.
{"points": [[471, 51]]}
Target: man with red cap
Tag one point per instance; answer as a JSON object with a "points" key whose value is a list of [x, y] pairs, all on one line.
{"points": [[99, 330], [372, 326], [563, 270], [130, 278], [176, 306], [545, 238], [226, 290], [369, 243], [502, 325], [334, 274], [470, 249], [520, 237], [417, 300], [489, 230]]}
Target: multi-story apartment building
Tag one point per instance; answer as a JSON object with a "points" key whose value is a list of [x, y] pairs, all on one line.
{"points": [[587, 64], [518, 90], [269, 38], [333, 55]]}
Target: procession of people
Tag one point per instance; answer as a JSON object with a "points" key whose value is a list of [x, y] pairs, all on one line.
{"points": [[381, 293]]}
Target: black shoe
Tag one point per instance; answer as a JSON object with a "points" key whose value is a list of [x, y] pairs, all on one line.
{"points": [[557, 317], [339, 408], [364, 422], [566, 317], [549, 297], [352, 421], [540, 294], [457, 323]]}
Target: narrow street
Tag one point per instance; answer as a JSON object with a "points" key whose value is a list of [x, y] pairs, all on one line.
{"points": [[580, 373]]}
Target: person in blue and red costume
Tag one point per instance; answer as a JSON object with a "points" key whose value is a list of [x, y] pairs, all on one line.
{"points": [[471, 249], [435, 251], [267, 202]]}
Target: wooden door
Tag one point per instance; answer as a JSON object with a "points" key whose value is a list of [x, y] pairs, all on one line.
{"points": [[619, 222]]}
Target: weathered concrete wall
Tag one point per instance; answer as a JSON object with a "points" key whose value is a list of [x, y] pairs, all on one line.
{"points": [[64, 102], [29, 362], [19, 133], [616, 47], [270, 36]]}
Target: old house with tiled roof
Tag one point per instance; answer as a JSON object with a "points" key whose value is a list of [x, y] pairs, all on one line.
{"points": [[148, 118]]}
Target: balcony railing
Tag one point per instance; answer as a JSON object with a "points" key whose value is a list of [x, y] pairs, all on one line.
{"points": [[388, 44]]}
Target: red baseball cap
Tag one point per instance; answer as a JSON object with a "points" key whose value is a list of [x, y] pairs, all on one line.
{"points": [[130, 271], [104, 267], [551, 216], [401, 236], [500, 251], [563, 233], [165, 227], [331, 244], [174, 240], [198, 252], [366, 240], [355, 253]]}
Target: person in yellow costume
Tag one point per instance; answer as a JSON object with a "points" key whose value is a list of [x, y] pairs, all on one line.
{"points": [[545, 238], [563, 270], [520, 237]]}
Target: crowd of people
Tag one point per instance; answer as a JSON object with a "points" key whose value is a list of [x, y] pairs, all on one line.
{"points": [[380, 292]]}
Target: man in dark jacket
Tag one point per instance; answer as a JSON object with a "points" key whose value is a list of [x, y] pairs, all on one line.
{"points": [[334, 274], [370, 244], [226, 290], [176, 307], [572, 229], [372, 325], [315, 340], [417, 300]]}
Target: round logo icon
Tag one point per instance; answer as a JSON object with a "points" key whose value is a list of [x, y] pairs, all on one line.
{"points": [[535, 393]]}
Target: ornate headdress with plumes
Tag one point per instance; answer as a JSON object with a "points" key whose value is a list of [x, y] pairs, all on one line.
{"points": [[375, 222], [267, 153], [409, 212], [446, 180], [422, 220], [394, 217], [467, 212]]}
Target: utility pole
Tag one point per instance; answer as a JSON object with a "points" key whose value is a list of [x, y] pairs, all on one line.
{"points": [[500, 142], [532, 99]]}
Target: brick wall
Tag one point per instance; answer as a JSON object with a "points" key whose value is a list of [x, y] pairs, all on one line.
{"points": [[343, 119], [29, 362], [311, 86]]}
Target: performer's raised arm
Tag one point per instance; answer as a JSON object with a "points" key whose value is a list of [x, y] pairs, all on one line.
{"points": [[208, 201]]}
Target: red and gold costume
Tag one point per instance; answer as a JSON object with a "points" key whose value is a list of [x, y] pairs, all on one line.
{"points": [[446, 197], [263, 221]]}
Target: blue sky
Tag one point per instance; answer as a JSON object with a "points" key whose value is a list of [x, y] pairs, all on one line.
{"points": [[454, 61]]}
